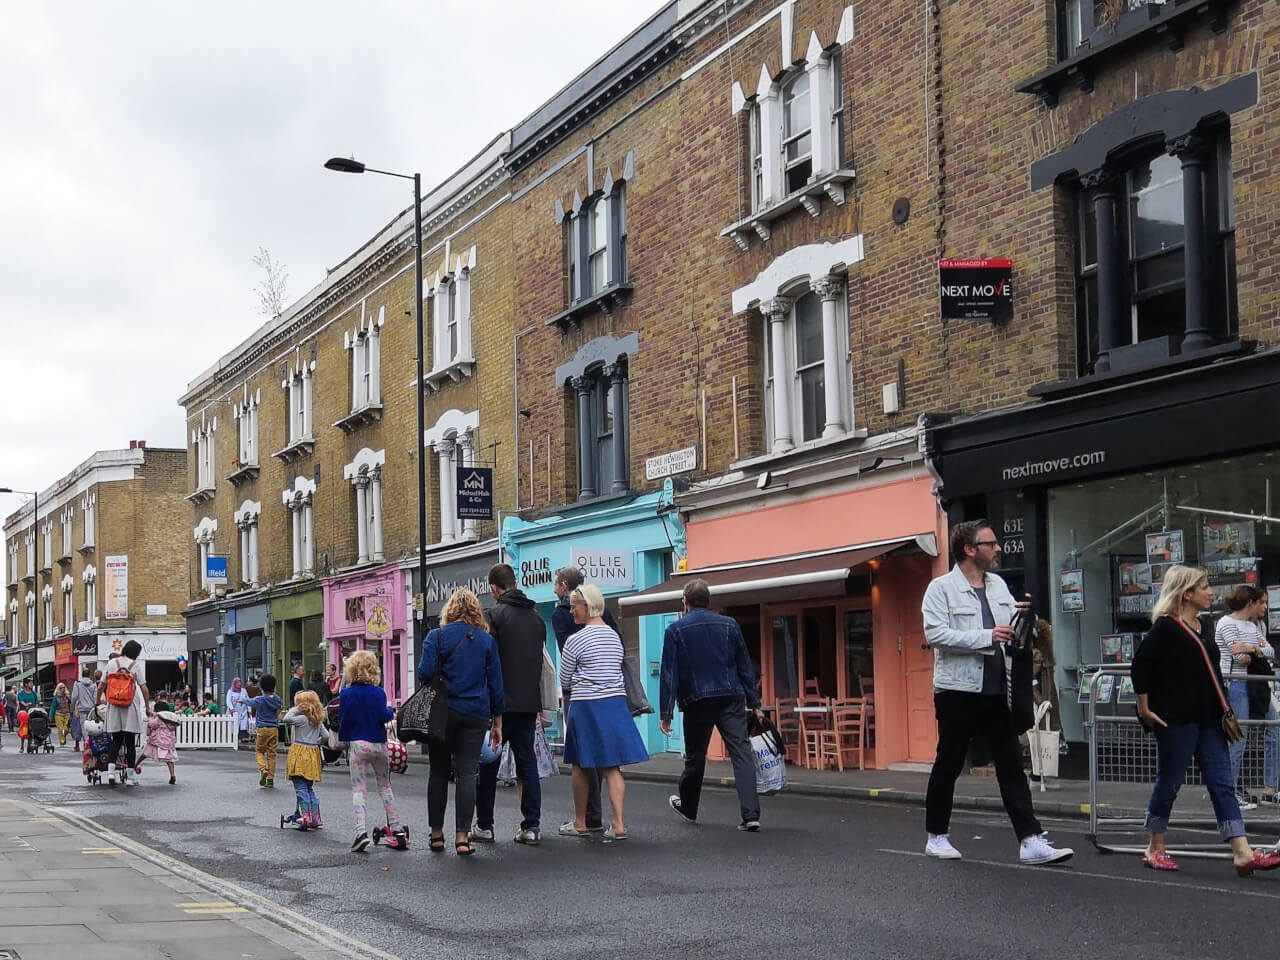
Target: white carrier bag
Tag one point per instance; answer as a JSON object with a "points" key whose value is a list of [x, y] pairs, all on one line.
{"points": [[1044, 744]]}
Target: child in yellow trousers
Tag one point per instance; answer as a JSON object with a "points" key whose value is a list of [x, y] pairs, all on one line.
{"points": [[266, 713]]}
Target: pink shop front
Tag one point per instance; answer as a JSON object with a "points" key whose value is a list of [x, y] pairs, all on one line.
{"points": [[368, 611]]}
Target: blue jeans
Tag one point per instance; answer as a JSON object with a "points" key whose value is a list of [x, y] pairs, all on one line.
{"points": [[517, 730], [1239, 694], [1175, 746], [306, 793]]}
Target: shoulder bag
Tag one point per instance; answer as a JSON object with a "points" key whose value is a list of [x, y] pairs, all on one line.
{"points": [[549, 683], [637, 702], [1259, 692], [424, 716], [1230, 725]]}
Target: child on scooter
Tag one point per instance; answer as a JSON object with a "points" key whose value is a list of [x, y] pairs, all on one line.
{"points": [[302, 765]]}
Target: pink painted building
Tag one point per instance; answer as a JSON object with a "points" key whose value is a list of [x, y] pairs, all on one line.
{"points": [[368, 610]]}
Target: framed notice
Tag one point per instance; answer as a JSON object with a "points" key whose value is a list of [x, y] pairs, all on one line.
{"points": [[1230, 539], [1104, 688], [1114, 647], [1086, 688], [1273, 609], [979, 289], [1126, 694], [115, 595], [1165, 547], [1072, 588]]}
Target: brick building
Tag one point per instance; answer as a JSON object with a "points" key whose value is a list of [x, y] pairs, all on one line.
{"points": [[101, 564]]}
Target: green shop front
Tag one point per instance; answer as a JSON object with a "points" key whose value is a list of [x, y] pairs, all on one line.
{"points": [[622, 545], [297, 632]]}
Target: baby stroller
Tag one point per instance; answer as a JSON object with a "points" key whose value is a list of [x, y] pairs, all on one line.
{"points": [[327, 753], [97, 746], [38, 731]]}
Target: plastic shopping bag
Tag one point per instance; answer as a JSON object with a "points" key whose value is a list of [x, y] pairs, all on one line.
{"points": [[547, 766], [771, 765]]}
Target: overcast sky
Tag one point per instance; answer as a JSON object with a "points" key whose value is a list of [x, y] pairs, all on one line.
{"points": [[148, 149]]}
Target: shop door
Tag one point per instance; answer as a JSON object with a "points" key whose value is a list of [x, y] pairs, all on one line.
{"points": [[922, 728], [675, 742]]}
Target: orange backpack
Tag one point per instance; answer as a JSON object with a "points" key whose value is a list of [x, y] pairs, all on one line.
{"points": [[120, 686]]}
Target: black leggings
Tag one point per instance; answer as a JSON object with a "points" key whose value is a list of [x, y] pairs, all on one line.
{"points": [[126, 743]]}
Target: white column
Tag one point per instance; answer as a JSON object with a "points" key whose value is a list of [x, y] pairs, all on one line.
{"points": [[448, 502], [244, 551], [306, 404], [375, 512], [468, 443], [357, 362], [821, 105], [309, 537], [362, 519], [290, 400], [778, 310], [375, 366], [830, 289], [769, 105], [253, 552], [295, 514], [204, 553]]}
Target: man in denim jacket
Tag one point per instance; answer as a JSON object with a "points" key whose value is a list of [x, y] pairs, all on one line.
{"points": [[706, 669], [967, 616]]}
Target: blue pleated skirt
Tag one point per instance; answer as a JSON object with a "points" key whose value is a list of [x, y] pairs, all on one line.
{"points": [[601, 733]]}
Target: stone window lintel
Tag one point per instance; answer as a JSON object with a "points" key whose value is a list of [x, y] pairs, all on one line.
{"points": [[831, 184]]}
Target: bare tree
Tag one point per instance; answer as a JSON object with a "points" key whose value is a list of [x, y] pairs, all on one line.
{"points": [[271, 289]]}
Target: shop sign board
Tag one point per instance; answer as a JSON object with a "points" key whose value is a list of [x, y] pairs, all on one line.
{"points": [[536, 571], [669, 464], [606, 567], [84, 646], [976, 289], [157, 609], [155, 646], [116, 594], [44, 654], [215, 569], [62, 650], [475, 493]]}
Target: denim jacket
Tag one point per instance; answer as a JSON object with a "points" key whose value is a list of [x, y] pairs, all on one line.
{"points": [[704, 655], [953, 628]]}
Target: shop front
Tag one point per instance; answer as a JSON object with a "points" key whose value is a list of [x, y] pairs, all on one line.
{"points": [[826, 584], [64, 662], [84, 650], [203, 634], [623, 546], [1095, 494], [366, 611], [162, 649], [296, 634], [243, 648]]}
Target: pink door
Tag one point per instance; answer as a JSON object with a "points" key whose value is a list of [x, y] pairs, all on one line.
{"points": [[922, 729]]}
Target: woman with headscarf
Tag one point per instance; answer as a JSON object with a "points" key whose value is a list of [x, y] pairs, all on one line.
{"points": [[238, 701], [126, 723]]}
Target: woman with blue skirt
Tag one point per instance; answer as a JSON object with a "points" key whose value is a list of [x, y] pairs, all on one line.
{"points": [[600, 733]]}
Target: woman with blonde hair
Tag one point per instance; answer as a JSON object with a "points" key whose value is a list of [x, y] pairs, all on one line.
{"points": [[1178, 683], [60, 710], [363, 718], [303, 765], [600, 733], [466, 656]]}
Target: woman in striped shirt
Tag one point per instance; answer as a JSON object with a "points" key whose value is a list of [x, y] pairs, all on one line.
{"points": [[1239, 638], [600, 732]]}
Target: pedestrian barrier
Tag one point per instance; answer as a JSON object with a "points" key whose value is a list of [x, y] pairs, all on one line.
{"points": [[208, 733], [1122, 769]]}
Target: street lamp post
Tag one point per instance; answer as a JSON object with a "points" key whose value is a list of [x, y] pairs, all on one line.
{"points": [[344, 165], [35, 545]]}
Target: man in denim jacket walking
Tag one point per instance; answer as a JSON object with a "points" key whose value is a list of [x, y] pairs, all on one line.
{"points": [[707, 671], [967, 616]]}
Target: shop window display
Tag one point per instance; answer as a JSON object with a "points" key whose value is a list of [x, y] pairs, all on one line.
{"points": [[1111, 540]]}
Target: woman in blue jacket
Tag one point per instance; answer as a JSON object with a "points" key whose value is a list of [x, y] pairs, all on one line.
{"points": [[467, 656]]}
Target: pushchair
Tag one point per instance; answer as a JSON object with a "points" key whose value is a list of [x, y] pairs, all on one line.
{"points": [[332, 721], [97, 746], [38, 731]]}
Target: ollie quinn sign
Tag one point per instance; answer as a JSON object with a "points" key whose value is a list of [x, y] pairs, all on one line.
{"points": [[605, 566], [976, 289]]}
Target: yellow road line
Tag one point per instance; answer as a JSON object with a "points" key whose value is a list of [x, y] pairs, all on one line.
{"points": [[208, 903], [44, 820], [218, 910], [102, 850]]}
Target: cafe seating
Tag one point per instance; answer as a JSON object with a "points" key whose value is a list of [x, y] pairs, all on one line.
{"points": [[815, 719], [788, 723], [845, 739]]}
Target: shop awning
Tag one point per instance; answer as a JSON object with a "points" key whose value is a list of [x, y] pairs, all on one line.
{"points": [[799, 577]]}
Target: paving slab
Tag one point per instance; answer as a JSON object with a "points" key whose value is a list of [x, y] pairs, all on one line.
{"points": [[64, 933], [99, 951], [51, 916], [188, 928]]}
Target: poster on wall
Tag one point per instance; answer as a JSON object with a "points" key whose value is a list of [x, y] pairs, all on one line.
{"points": [[1165, 547], [1273, 609], [1229, 539], [1135, 597], [115, 599], [1072, 584]]}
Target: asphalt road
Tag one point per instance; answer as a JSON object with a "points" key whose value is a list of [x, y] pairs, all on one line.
{"points": [[824, 878]]}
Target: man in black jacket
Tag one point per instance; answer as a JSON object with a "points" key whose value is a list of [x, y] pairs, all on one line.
{"points": [[521, 635]]}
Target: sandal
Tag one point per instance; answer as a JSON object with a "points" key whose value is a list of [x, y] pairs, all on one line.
{"points": [[463, 848], [436, 844], [1159, 861]]}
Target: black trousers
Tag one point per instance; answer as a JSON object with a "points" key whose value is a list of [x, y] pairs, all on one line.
{"points": [[729, 716], [961, 717], [460, 752], [517, 730], [127, 744]]}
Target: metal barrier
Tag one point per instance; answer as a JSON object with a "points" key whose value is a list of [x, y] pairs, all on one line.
{"points": [[208, 733], [1122, 769]]}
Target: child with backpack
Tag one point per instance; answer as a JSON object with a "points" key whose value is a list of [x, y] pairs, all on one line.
{"points": [[266, 711], [303, 763], [124, 683]]}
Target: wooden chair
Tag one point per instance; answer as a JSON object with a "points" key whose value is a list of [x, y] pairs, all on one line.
{"points": [[812, 726], [811, 688], [788, 722], [867, 686], [845, 740]]}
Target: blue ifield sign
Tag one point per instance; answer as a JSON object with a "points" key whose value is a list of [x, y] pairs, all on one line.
{"points": [[475, 493], [215, 569]]}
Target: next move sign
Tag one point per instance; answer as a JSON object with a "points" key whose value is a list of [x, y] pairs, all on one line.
{"points": [[976, 290]]}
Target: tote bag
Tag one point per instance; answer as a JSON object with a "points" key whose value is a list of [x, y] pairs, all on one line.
{"points": [[637, 701], [425, 714], [549, 684]]}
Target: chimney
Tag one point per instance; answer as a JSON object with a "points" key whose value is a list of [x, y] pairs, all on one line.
{"points": [[133, 444], [142, 444]]}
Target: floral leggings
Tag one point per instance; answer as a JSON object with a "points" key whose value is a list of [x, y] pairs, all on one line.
{"points": [[366, 760]]}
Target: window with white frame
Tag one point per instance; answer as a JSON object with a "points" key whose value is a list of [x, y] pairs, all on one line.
{"points": [[598, 378], [298, 500], [202, 441], [46, 595], [452, 438], [89, 513], [364, 473], [451, 314], [90, 578], [204, 534], [14, 570], [31, 617], [298, 390], [68, 604], [46, 545], [15, 635], [246, 416], [29, 538], [364, 342], [807, 380], [67, 517], [796, 126], [597, 241], [246, 519]]}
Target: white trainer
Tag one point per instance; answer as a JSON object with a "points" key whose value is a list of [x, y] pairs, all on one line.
{"points": [[1038, 850], [939, 846]]}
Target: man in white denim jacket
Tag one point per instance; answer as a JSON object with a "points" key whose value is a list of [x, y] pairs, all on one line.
{"points": [[967, 616]]}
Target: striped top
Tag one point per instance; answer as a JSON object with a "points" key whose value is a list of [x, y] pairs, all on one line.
{"points": [[1229, 631], [591, 664]]}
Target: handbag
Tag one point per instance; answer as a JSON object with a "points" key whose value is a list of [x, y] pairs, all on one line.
{"points": [[425, 715], [1230, 725], [637, 701], [549, 683], [1259, 692]]}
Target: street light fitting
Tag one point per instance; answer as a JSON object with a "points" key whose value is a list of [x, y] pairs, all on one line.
{"points": [[344, 165]]}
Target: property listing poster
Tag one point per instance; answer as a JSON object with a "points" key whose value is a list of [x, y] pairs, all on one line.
{"points": [[115, 595]]}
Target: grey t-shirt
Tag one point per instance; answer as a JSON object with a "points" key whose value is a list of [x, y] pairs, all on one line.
{"points": [[993, 666]]}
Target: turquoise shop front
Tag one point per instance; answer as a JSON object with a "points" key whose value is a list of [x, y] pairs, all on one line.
{"points": [[623, 546]]}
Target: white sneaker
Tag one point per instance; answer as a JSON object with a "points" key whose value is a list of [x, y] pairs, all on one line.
{"points": [[1038, 850], [1246, 801], [481, 836], [939, 846]]}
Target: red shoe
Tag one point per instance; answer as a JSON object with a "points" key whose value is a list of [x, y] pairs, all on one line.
{"points": [[1260, 861], [1160, 861]]}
